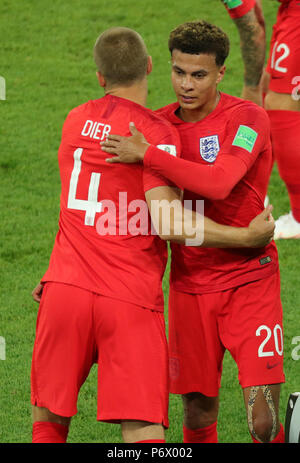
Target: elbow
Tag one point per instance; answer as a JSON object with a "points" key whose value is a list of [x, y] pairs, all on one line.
{"points": [[165, 237], [165, 234], [218, 188], [168, 234], [222, 195], [218, 194]]}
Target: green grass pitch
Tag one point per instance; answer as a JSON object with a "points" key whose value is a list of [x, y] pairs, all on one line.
{"points": [[46, 60]]}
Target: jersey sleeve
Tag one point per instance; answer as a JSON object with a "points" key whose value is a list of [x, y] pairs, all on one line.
{"points": [[165, 138], [70, 123], [238, 8], [247, 134]]}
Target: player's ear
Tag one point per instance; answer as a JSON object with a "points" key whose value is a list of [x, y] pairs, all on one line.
{"points": [[221, 73], [149, 65], [101, 79]]}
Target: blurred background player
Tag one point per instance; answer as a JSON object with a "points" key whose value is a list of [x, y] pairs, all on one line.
{"points": [[282, 102], [219, 299], [249, 20], [280, 82], [101, 298]]}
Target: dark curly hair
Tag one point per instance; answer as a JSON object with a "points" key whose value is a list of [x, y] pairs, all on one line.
{"points": [[200, 37]]}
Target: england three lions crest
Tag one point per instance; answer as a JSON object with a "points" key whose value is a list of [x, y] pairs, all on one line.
{"points": [[209, 148]]}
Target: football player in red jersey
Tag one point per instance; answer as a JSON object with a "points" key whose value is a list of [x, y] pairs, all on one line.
{"points": [[219, 298], [249, 20], [282, 102], [101, 299], [281, 84]]}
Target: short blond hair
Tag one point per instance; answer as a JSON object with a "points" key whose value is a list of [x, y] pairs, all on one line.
{"points": [[121, 56]]}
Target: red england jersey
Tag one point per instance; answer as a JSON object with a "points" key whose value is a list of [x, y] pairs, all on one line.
{"points": [[284, 54], [292, 5], [238, 8], [104, 243], [240, 129], [289, 1]]}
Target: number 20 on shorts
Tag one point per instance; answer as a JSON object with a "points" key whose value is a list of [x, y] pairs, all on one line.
{"points": [[266, 331]]}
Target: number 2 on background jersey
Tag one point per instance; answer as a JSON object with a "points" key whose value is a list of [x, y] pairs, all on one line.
{"points": [[275, 64], [90, 205]]}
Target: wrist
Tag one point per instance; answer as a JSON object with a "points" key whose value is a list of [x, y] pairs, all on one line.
{"points": [[147, 155], [247, 237], [144, 148], [243, 238]]}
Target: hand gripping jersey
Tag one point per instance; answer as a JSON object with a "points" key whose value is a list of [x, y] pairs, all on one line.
{"points": [[238, 8], [104, 242], [240, 129]]}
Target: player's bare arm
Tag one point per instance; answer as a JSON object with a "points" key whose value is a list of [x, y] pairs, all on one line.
{"points": [[172, 222], [197, 230], [253, 43], [258, 234]]}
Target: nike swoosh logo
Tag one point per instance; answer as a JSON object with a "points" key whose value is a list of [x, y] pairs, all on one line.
{"points": [[270, 366]]}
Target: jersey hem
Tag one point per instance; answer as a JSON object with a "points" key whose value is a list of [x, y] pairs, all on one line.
{"points": [[205, 289], [141, 304]]}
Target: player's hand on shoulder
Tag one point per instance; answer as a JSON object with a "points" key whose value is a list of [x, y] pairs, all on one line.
{"points": [[261, 229], [37, 292], [127, 149]]}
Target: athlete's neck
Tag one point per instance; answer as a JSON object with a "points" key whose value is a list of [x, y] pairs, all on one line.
{"points": [[137, 92], [199, 113]]}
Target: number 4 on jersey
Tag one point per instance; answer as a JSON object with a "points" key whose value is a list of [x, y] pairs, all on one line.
{"points": [[90, 205]]}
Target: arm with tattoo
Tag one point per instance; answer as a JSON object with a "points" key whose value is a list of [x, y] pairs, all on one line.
{"points": [[253, 45]]}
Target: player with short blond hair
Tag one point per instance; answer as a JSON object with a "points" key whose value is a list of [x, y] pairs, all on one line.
{"points": [[282, 102], [122, 56]]}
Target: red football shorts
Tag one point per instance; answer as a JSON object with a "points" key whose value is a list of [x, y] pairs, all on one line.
{"points": [[247, 321], [77, 328], [284, 58]]}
